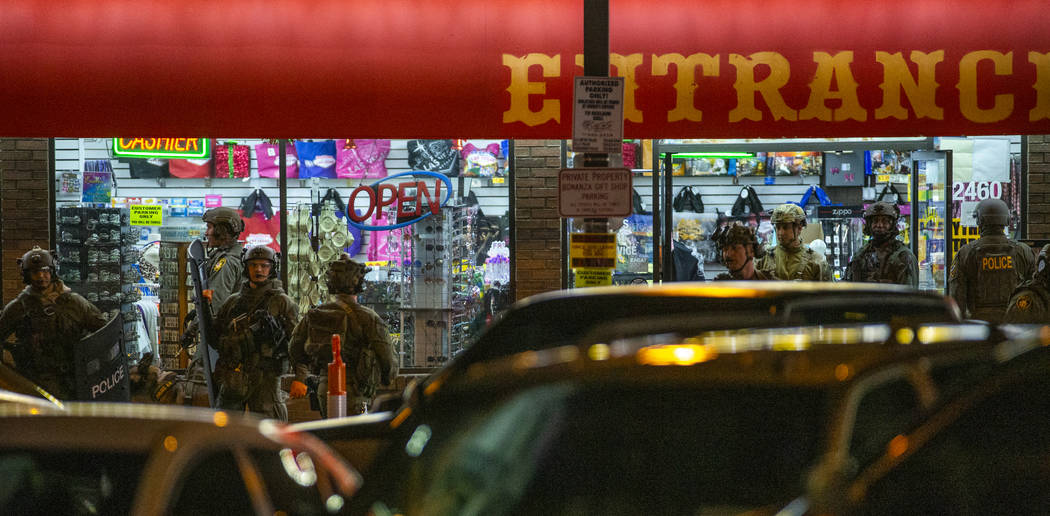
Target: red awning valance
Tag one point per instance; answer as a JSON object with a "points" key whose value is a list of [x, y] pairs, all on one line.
{"points": [[503, 69]]}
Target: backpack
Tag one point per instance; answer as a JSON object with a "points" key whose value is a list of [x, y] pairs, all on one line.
{"points": [[362, 366]]}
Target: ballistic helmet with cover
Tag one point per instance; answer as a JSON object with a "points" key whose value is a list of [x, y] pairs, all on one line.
{"points": [[35, 259], [788, 213], [885, 209], [345, 276], [223, 216], [260, 252], [992, 212], [738, 234]]}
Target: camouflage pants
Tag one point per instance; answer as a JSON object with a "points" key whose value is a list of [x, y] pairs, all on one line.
{"points": [[265, 398], [354, 404]]}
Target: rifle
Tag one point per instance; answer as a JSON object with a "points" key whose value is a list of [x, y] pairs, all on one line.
{"points": [[195, 254]]}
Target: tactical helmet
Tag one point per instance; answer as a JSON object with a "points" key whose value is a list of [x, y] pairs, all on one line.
{"points": [[260, 252], [345, 276], [35, 259], [788, 213], [992, 212], [882, 208], [225, 216], [738, 234]]}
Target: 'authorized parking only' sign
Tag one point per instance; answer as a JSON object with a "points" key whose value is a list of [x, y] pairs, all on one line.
{"points": [[597, 116]]}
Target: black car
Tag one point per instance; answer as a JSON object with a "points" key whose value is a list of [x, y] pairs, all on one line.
{"points": [[703, 425], [986, 452]]}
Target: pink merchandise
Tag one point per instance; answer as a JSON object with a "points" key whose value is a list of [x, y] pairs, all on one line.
{"points": [[480, 162], [361, 158], [267, 156], [387, 245]]}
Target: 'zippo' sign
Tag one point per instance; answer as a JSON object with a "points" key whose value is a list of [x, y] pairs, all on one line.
{"points": [[400, 195]]}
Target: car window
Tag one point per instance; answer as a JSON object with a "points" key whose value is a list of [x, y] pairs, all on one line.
{"points": [[882, 413], [291, 481], [995, 459], [213, 486], [569, 449], [68, 482]]}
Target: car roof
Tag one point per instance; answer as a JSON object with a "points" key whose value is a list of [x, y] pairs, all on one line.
{"points": [[130, 427], [550, 319], [687, 360]]}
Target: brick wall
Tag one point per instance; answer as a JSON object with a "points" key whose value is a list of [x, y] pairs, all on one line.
{"points": [[1038, 187], [537, 239], [25, 216]]}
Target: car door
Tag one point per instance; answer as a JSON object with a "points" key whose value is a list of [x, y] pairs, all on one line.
{"points": [[986, 453]]}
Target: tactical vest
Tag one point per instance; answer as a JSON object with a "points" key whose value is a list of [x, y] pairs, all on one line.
{"points": [[362, 367], [248, 335], [998, 269], [47, 337]]}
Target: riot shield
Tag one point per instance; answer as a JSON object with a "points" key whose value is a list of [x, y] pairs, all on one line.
{"points": [[102, 365], [205, 347]]}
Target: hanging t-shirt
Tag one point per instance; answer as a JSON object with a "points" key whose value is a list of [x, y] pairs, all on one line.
{"points": [[147, 168], [357, 158], [232, 160], [483, 162], [316, 158], [258, 230], [387, 245], [434, 156]]}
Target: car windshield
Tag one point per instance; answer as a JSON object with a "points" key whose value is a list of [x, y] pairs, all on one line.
{"points": [[577, 449], [68, 482]]}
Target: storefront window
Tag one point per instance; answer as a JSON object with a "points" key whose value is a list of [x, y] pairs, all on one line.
{"points": [[438, 273], [701, 185]]}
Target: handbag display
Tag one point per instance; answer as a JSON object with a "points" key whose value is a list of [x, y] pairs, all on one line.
{"points": [[687, 200], [232, 160], [267, 157], [434, 156], [747, 201], [316, 158]]}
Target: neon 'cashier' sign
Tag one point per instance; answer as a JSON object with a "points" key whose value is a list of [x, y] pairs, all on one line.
{"points": [[401, 198]]}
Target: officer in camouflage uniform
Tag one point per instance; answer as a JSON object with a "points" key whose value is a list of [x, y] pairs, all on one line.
{"points": [[48, 320], [223, 267], [367, 351], [252, 330], [985, 272], [790, 260], [1030, 302], [739, 247], [884, 259]]}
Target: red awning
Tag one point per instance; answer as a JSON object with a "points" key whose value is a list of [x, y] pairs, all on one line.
{"points": [[504, 68]]}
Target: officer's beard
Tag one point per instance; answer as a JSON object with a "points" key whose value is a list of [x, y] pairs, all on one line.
{"points": [[736, 271]]}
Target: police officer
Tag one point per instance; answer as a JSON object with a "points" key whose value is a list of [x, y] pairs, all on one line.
{"points": [[48, 320], [367, 351], [1030, 302], [985, 272], [739, 247], [252, 329], [883, 259], [224, 253], [790, 260]]}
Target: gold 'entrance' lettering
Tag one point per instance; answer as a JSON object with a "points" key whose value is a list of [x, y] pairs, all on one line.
{"points": [[685, 84], [1004, 103], [1042, 86], [746, 86], [921, 91], [521, 88], [838, 67]]}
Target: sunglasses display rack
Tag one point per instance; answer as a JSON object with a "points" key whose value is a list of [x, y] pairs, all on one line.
{"points": [[467, 283], [425, 291], [95, 257], [174, 299]]}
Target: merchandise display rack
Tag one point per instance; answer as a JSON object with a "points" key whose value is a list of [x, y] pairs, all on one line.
{"points": [[96, 255], [174, 297]]}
